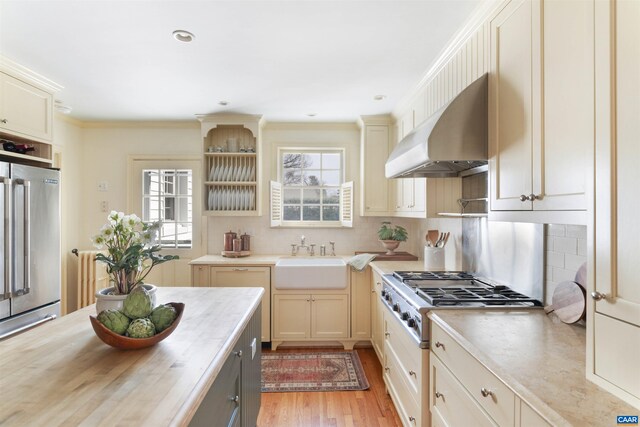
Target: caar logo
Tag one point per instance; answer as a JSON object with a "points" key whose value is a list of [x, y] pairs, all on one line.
{"points": [[628, 420]]}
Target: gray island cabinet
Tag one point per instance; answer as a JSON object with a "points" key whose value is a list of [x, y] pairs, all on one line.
{"points": [[207, 372]]}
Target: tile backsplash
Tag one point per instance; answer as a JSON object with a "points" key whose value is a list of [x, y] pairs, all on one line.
{"points": [[565, 252]]}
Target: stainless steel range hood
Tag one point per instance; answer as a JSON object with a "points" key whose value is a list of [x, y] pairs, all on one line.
{"points": [[452, 140]]}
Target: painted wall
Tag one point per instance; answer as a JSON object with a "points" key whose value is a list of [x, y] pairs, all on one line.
{"points": [[68, 157]]}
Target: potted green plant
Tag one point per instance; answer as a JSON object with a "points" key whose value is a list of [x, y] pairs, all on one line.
{"points": [[131, 252], [390, 236]]}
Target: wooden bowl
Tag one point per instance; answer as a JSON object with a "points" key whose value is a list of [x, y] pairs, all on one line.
{"points": [[125, 343]]}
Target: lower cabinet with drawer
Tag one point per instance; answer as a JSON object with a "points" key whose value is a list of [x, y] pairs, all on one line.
{"points": [[405, 372], [464, 392]]}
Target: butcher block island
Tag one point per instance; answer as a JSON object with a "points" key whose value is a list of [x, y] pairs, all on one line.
{"points": [[62, 374]]}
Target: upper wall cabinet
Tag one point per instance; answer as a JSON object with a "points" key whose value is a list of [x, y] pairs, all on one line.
{"points": [[232, 152], [26, 111], [614, 311], [541, 109], [374, 151]]}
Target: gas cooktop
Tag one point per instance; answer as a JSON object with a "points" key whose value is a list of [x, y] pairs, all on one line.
{"points": [[483, 296], [432, 275]]}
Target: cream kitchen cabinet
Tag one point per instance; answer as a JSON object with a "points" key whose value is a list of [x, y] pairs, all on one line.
{"points": [[361, 304], [374, 151], [238, 276], [377, 319], [405, 372], [26, 110], [541, 105], [310, 317], [614, 314], [408, 195], [465, 392]]}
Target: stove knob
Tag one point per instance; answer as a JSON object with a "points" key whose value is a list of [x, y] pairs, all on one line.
{"points": [[411, 323], [388, 297], [396, 307], [383, 293], [405, 315]]}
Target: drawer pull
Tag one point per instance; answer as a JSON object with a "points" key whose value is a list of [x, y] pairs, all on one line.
{"points": [[439, 345], [412, 419], [413, 373], [387, 334], [438, 395], [240, 269], [386, 369], [238, 353], [486, 393]]}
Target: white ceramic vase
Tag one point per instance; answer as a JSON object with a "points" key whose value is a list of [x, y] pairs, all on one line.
{"points": [[105, 301]]}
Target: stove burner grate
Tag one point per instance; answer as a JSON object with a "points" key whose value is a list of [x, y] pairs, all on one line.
{"points": [[432, 275], [498, 295]]}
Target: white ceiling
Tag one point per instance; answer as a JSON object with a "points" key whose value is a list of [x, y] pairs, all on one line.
{"points": [[117, 59]]}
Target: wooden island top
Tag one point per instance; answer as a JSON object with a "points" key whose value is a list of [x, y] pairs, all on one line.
{"points": [[62, 374]]}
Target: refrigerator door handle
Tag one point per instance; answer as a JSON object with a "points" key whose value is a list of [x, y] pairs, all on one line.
{"points": [[46, 319], [26, 287], [8, 248]]}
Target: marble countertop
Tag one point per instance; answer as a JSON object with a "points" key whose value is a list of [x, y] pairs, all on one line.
{"points": [[60, 373], [540, 358], [388, 267]]}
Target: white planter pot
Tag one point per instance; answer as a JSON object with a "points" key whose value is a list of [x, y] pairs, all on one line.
{"points": [[105, 301]]}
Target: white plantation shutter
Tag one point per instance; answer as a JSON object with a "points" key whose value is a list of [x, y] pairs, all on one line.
{"points": [[346, 204], [276, 204]]}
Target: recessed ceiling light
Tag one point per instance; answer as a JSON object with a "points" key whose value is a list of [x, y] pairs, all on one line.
{"points": [[223, 103], [312, 114], [379, 97], [183, 36]]}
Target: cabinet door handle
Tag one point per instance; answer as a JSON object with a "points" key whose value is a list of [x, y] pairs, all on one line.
{"points": [[3, 120], [387, 334], [438, 395], [533, 197], [413, 373], [523, 198], [235, 399], [238, 353], [412, 419], [439, 345], [598, 295], [486, 392], [240, 269], [386, 368]]}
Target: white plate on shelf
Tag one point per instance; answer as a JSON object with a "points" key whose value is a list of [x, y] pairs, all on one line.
{"points": [[216, 197], [252, 175]]}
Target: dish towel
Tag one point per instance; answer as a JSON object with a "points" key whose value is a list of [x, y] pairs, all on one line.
{"points": [[360, 262]]}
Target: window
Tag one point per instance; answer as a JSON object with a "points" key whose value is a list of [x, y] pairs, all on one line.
{"points": [[311, 191], [167, 196], [311, 186]]}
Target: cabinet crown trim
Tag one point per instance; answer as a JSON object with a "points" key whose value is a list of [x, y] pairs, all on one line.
{"points": [[23, 73]]}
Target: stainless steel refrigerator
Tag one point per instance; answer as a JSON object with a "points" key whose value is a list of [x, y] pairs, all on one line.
{"points": [[30, 238]]}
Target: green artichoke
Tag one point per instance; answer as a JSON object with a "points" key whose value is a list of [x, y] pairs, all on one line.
{"points": [[114, 320], [163, 316], [141, 328], [137, 304]]}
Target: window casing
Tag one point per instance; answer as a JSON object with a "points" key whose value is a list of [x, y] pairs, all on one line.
{"points": [[167, 196], [311, 181]]}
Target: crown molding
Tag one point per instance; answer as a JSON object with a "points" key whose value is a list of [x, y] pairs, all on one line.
{"points": [[23, 73]]}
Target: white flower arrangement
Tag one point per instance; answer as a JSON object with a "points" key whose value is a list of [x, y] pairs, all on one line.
{"points": [[132, 250]]}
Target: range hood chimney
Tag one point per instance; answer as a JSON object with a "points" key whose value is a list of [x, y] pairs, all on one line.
{"points": [[452, 140]]}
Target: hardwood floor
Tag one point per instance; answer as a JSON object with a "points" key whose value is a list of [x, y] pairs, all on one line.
{"points": [[368, 408]]}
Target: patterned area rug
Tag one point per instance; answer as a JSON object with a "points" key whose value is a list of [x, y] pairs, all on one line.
{"points": [[326, 371]]}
